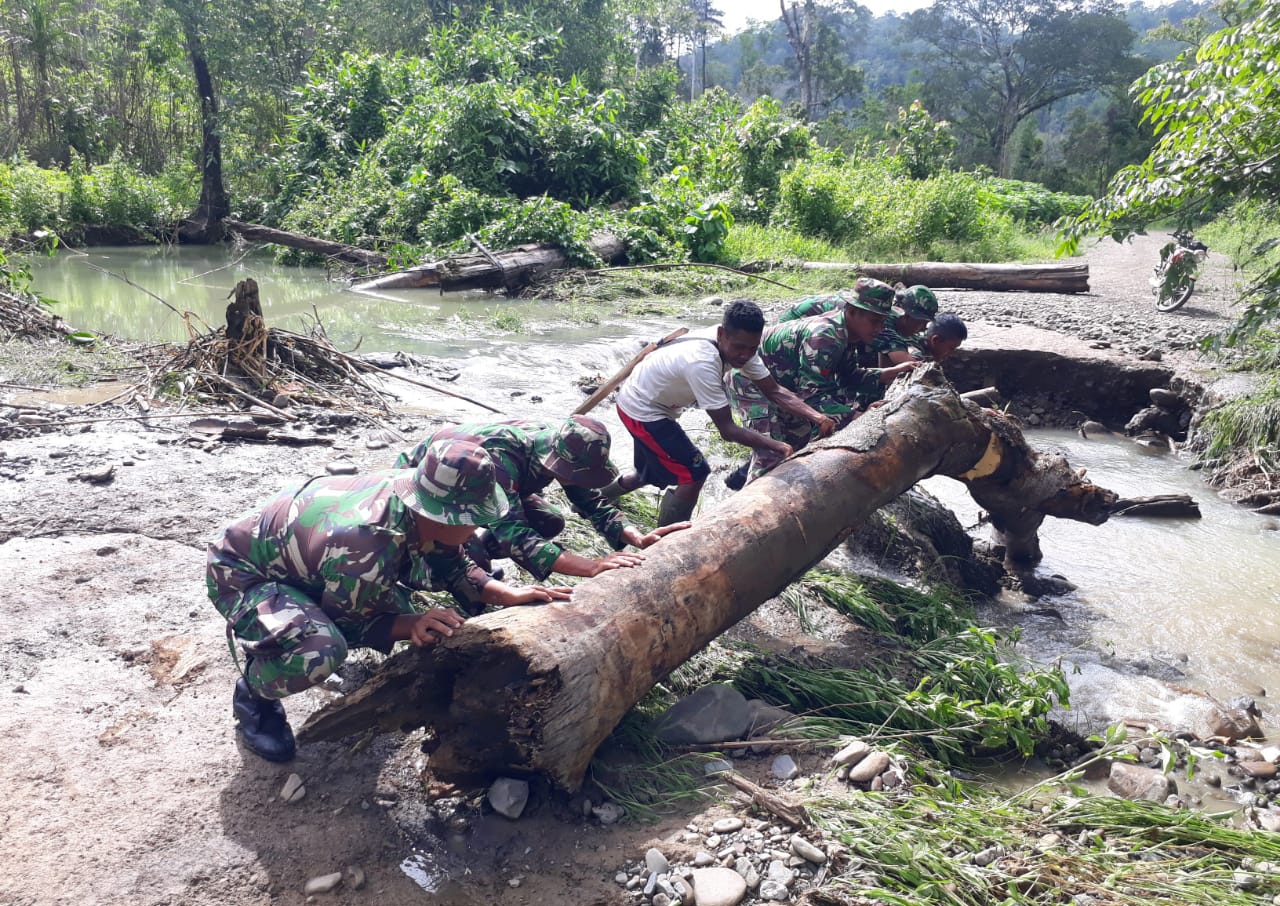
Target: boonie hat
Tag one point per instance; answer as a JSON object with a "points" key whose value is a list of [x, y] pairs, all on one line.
{"points": [[455, 484], [916, 302], [577, 452], [873, 295]]}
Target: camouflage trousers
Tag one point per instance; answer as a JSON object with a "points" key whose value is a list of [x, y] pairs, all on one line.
{"points": [[290, 643], [755, 411]]}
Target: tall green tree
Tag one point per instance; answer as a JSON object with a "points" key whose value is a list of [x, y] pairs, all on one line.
{"points": [[821, 51], [992, 63]]}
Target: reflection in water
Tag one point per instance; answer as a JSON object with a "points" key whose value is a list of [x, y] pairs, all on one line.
{"points": [[199, 280], [1192, 602]]}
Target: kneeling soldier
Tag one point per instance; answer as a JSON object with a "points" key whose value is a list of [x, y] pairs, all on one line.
{"points": [[332, 565], [530, 454]]}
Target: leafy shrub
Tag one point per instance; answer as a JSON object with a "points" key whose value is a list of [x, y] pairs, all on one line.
{"points": [[769, 143], [1031, 203]]}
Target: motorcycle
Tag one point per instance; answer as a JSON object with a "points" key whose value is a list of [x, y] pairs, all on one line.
{"points": [[1175, 275]]}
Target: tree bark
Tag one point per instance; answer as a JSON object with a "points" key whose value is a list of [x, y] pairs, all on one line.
{"points": [[536, 689], [204, 225], [1167, 506], [508, 269], [1035, 278], [349, 253]]}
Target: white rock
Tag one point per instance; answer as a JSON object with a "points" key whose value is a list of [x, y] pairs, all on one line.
{"points": [[772, 890], [718, 887], [852, 753], [509, 796], [323, 883], [784, 767], [684, 890], [778, 871], [713, 841], [703, 858], [620, 878], [656, 862], [727, 825], [869, 767], [515, 882], [717, 766], [608, 812], [807, 851], [293, 789]]}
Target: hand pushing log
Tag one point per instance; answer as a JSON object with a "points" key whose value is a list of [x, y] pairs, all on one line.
{"points": [[536, 690]]}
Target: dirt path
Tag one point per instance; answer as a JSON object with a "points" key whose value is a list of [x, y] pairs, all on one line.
{"points": [[124, 780]]}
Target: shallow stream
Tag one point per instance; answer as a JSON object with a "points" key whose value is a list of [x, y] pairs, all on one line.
{"points": [[1188, 602]]}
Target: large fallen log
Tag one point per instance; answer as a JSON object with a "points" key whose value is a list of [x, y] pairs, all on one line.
{"points": [[537, 689], [351, 254], [1034, 278], [508, 269]]}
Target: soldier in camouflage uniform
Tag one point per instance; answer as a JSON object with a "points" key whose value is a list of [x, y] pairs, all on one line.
{"points": [[332, 565], [945, 335], [903, 338], [830, 360], [528, 455]]}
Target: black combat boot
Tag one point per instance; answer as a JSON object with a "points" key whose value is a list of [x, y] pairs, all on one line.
{"points": [[262, 725]]}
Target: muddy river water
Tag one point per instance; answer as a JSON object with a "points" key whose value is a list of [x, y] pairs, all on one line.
{"points": [[1190, 602]]}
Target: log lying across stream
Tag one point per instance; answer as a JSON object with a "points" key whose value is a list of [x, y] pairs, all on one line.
{"points": [[537, 689], [1034, 278]]}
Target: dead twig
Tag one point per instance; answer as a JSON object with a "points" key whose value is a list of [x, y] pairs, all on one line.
{"points": [[781, 807]]}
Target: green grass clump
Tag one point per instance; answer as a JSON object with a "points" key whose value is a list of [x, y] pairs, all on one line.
{"points": [[1247, 425]]}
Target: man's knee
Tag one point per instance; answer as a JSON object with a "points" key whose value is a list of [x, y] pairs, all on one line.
{"points": [[288, 671]]}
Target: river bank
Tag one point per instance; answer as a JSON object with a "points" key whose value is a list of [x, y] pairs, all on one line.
{"points": [[117, 681]]}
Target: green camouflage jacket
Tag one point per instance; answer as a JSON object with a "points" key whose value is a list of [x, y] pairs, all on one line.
{"points": [[519, 473], [813, 357], [348, 543]]}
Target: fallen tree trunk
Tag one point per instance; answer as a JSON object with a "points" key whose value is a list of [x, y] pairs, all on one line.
{"points": [[537, 689], [508, 269], [1033, 278], [256, 232]]}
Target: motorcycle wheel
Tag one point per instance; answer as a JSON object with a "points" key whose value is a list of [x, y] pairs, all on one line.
{"points": [[1179, 297]]}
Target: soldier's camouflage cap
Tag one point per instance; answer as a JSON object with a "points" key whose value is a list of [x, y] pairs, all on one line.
{"points": [[455, 483], [577, 452], [916, 302], [873, 295]]}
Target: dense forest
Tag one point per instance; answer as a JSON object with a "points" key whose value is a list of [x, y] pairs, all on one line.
{"points": [[408, 126], [965, 130]]}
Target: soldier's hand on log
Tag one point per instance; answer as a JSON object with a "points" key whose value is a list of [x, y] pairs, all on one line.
{"points": [[782, 449], [430, 627], [826, 424], [617, 560], [643, 541], [526, 594], [888, 375]]}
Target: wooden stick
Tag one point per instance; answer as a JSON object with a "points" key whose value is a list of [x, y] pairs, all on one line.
{"points": [[134, 418], [608, 386], [741, 744], [231, 385], [408, 380], [793, 813]]}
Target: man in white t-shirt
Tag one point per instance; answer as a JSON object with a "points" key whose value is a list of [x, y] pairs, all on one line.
{"points": [[689, 372]]}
